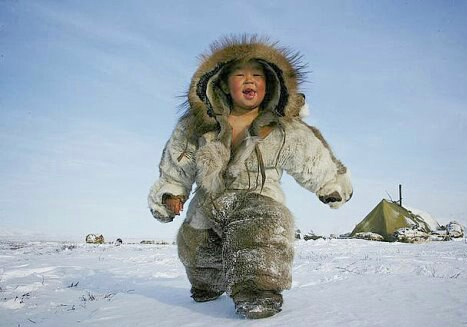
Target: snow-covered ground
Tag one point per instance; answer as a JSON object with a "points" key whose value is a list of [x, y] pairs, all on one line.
{"points": [[336, 283]]}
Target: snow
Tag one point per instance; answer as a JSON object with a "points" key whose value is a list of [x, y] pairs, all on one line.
{"points": [[337, 282], [434, 225]]}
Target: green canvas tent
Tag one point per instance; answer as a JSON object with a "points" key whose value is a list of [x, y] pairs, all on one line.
{"points": [[386, 218]]}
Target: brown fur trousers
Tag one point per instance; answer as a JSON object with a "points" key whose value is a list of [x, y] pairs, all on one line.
{"points": [[249, 247]]}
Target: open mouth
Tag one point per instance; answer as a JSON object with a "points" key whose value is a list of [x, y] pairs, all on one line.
{"points": [[249, 93]]}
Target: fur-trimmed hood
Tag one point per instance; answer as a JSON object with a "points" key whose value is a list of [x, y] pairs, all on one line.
{"points": [[208, 105]]}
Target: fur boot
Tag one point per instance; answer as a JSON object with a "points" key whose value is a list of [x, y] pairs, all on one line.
{"points": [[254, 304]]}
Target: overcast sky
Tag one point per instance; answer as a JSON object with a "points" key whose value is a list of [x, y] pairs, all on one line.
{"points": [[89, 94]]}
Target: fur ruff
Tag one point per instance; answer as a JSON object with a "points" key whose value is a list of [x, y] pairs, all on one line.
{"points": [[206, 100]]}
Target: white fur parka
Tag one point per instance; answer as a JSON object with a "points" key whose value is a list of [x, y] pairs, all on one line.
{"points": [[199, 150]]}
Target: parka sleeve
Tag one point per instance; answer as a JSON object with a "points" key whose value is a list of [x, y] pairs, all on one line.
{"points": [[307, 157], [177, 173]]}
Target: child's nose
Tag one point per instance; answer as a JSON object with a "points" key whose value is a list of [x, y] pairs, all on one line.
{"points": [[249, 78]]}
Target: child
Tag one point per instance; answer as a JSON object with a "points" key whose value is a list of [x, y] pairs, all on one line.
{"points": [[241, 130]]}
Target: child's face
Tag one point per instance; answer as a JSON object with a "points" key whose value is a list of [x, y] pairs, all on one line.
{"points": [[247, 86]]}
